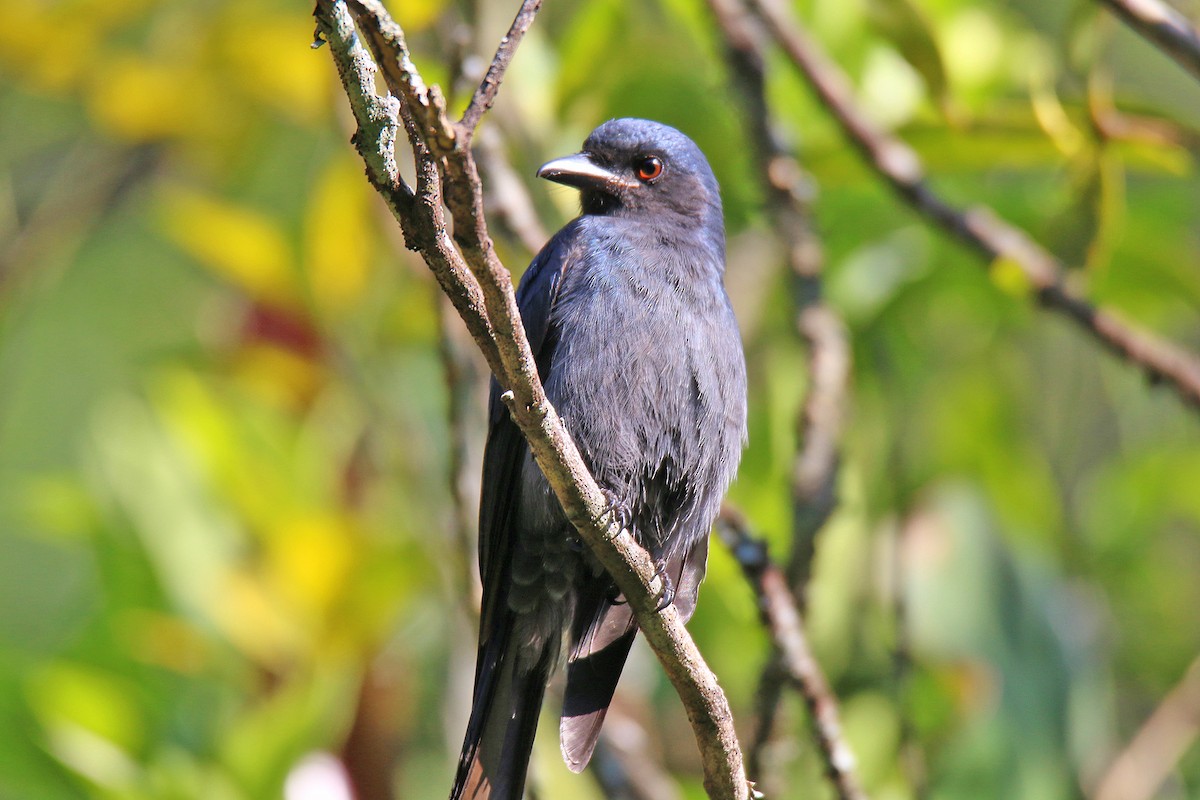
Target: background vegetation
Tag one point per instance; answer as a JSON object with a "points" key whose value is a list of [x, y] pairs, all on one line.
{"points": [[232, 565]]}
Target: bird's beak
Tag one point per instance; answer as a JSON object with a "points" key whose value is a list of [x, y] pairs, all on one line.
{"points": [[581, 172]]}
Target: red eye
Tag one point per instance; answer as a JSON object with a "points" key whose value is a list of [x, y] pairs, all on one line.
{"points": [[649, 168]]}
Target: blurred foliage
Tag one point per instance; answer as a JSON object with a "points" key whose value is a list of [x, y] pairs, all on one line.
{"points": [[228, 532]]}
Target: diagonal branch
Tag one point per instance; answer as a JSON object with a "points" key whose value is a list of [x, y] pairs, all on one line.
{"points": [[799, 667], [1146, 762], [1165, 27], [978, 228], [481, 288], [482, 100]]}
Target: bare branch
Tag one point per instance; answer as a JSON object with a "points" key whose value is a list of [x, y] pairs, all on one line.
{"points": [[1172, 32], [482, 291], [978, 228], [485, 95], [377, 120], [1140, 769], [782, 618]]}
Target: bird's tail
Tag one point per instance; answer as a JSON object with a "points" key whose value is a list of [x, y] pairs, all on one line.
{"points": [[509, 687]]}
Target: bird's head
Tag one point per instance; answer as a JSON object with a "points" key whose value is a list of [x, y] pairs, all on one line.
{"points": [[639, 167]]}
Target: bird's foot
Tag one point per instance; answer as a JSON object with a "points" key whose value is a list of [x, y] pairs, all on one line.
{"points": [[667, 595], [616, 509]]}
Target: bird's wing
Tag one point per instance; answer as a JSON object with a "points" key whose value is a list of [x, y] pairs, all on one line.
{"points": [[507, 696], [505, 450]]}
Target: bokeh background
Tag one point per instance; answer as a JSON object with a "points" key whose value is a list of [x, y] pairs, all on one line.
{"points": [[232, 562]]}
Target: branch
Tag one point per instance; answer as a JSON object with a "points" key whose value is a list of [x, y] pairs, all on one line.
{"points": [[814, 479], [481, 289], [782, 618], [978, 228], [1140, 769], [623, 766], [485, 95], [1165, 27], [789, 192]]}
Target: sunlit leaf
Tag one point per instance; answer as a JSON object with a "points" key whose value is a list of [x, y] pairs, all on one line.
{"points": [[339, 235], [241, 245]]}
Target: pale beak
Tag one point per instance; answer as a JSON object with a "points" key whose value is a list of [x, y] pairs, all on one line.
{"points": [[581, 172]]}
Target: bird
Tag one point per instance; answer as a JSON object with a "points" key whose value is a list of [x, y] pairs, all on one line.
{"points": [[637, 346]]}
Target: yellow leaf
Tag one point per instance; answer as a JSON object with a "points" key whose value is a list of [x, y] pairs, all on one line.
{"points": [[279, 377], [270, 60], [51, 49], [256, 622], [239, 244], [1009, 277], [141, 99], [163, 640], [338, 235], [310, 560]]}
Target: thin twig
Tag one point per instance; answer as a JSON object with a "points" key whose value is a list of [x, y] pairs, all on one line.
{"points": [[481, 288], [767, 699], [378, 120], [1140, 769], [783, 620], [485, 95], [623, 766], [978, 228], [465, 390], [507, 196], [1171, 31]]}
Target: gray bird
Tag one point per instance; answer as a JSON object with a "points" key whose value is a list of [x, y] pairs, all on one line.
{"points": [[637, 346]]}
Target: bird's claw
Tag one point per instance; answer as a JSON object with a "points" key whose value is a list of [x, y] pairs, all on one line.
{"points": [[667, 595], [616, 509]]}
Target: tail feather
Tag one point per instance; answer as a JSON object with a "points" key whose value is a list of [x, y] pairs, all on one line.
{"points": [[591, 682], [503, 723], [602, 636]]}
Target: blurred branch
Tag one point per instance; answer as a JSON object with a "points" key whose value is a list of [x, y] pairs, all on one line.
{"points": [[799, 666], [463, 384], [622, 765], [507, 196], [978, 228], [815, 472], [369, 751], [481, 289], [767, 698], [1165, 27], [814, 479], [88, 184], [1140, 769]]}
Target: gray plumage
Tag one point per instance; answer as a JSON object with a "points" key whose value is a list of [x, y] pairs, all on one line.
{"points": [[637, 346]]}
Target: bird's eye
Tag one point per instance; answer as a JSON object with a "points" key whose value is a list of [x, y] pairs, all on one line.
{"points": [[649, 168]]}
